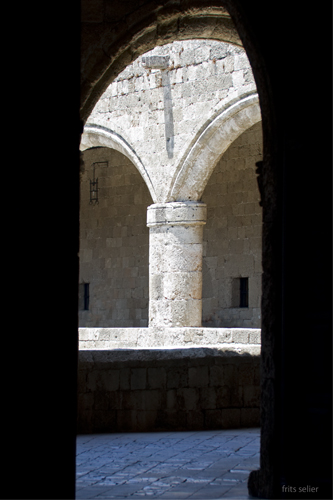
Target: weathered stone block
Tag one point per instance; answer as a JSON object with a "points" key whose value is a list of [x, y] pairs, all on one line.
{"points": [[187, 398], [81, 379], [152, 399], [85, 401], [127, 400], [182, 285], [219, 52], [195, 419], [115, 400], [236, 397], [85, 421], [156, 378], [216, 376], [213, 419], [246, 374], [208, 398], [104, 421], [101, 400], [256, 376], [198, 376], [95, 381], [250, 417], [255, 336], [223, 396], [138, 378], [177, 376], [171, 399], [126, 420], [251, 396], [240, 336], [230, 375], [146, 420], [137, 400], [230, 418], [175, 313], [176, 420], [183, 258]]}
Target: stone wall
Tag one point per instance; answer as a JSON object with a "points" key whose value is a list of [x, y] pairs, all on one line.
{"points": [[114, 242], [232, 236], [168, 389]]}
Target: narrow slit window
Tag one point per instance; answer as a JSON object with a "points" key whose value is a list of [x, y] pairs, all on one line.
{"points": [[243, 292], [86, 297]]}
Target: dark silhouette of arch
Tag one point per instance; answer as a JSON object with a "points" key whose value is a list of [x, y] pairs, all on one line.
{"points": [[280, 38], [287, 144]]}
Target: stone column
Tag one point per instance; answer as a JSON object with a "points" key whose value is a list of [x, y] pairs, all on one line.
{"points": [[175, 263]]}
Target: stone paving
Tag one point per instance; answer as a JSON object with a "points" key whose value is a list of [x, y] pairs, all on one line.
{"points": [[199, 465]]}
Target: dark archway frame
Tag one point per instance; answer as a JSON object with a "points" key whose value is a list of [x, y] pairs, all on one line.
{"points": [[164, 25], [289, 48], [291, 402]]}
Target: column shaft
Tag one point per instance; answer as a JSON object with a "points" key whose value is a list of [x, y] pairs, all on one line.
{"points": [[175, 263]]}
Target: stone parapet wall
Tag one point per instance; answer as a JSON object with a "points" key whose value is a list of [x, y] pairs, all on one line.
{"points": [[169, 389], [143, 338]]}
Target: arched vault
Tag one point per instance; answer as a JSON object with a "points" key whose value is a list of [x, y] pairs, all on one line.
{"points": [[200, 158], [210, 143], [151, 24], [98, 136]]}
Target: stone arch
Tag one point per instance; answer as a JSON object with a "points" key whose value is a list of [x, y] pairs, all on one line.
{"points": [[96, 135], [211, 142], [116, 46]]}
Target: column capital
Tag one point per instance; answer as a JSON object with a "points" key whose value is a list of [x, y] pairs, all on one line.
{"points": [[181, 213]]}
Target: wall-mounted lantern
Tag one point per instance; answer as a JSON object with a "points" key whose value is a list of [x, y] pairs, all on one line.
{"points": [[94, 183], [93, 189]]}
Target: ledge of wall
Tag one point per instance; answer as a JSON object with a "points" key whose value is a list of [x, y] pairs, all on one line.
{"points": [[150, 338]]}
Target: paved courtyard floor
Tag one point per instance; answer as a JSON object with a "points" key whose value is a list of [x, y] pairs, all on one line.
{"points": [[198, 465]]}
